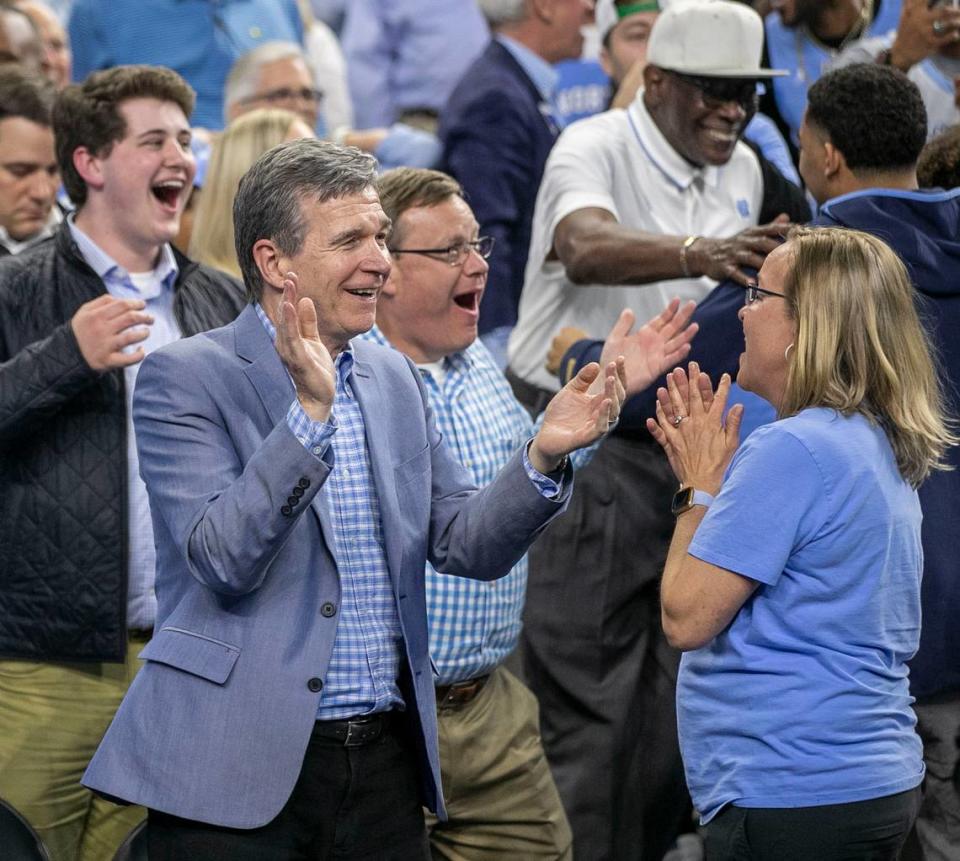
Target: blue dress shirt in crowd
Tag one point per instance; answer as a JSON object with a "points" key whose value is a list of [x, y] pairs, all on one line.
{"points": [[474, 624], [155, 288], [408, 54]]}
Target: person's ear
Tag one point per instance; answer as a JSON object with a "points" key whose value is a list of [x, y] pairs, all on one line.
{"points": [[273, 264], [89, 166], [834, 161], [654, 83]]}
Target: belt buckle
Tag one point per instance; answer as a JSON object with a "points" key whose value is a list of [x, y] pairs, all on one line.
{"points": [[361, 732]]}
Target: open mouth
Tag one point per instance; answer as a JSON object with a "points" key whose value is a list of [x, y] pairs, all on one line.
{"points": [[364, 293], [168, 193], [468, 301]]}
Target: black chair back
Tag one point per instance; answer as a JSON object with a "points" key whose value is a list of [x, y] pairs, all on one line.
{"points": [[18, 840]]}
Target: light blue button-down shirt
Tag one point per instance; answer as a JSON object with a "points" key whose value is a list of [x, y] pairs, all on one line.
{"points": [[408, 54], [475, 624], [363, 669], [156, 290], [544, 76]]}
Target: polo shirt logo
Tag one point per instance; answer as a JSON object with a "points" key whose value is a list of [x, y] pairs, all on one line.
{"points": [[743, 207]]}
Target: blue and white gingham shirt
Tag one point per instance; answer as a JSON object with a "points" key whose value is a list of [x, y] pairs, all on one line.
{"points": [[475, 624], [363, 669]]}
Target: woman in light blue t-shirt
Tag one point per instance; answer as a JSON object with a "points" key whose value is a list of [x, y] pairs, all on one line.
{"points": [[793, 578]]}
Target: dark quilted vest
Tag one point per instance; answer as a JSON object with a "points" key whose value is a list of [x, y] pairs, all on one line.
{"points": [[63, 495]]}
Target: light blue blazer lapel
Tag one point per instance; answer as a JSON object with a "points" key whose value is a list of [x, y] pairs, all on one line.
{"points": [[275, 389], [372, 399]]}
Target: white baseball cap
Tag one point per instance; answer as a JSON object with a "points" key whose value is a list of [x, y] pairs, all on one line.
{"points": [[712, 38], [606, 14]]}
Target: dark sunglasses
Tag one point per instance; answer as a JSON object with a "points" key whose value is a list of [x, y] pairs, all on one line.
{"points": [[719, 91]]}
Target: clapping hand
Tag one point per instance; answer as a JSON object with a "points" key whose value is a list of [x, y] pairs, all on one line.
{"points": [[578, 416], [658, 345], [303, 353], [690, 426]]}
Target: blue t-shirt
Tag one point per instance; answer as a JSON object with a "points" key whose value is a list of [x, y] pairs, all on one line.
{"points": [[804, 699]]}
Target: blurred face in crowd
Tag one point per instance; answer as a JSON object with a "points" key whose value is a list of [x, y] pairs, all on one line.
{"points": [[286, 84], [431, 308], [138, 190], [813, 160], [341, 265], [626, 45], [568, 18], [19, 42], [28, 176], [54, 39], [795, 13], [768, 331], [702, 118]]}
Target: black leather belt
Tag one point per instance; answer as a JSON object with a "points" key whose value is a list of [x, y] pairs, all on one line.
{"points": [[356, 731], [461, 693], [140, 633]]}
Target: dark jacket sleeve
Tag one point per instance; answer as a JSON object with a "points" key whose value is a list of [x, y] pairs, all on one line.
{"points": [[716, 347]]}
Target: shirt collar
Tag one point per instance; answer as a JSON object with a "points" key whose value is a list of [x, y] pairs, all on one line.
{"points": [[543, 75], [675, 168], [457, 362], [15, 246], [105, 266], [344, 361]]}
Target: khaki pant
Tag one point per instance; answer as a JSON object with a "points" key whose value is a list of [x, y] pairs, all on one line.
{"points": [[52, 717], [500, 795]]}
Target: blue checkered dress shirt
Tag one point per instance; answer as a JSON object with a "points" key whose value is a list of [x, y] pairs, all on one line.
{"points": [[362, 675], [474, 624]]}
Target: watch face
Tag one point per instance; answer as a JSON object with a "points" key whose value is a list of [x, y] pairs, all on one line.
{"points": [[682, 500]]}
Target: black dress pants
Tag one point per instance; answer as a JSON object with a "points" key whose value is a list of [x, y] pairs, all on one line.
{"points": [[873, 830], [357, 803]]}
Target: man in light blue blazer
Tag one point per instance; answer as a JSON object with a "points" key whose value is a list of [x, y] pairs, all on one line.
{"points": [[297, 485]]}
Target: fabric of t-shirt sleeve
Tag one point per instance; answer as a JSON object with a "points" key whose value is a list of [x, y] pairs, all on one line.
{"points": [[574, 180], [771, 502]]}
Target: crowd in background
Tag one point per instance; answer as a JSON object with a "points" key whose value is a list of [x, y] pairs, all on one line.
{"points": [[764, 664]]}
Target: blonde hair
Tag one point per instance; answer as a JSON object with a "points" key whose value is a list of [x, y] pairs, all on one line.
{"points": [[860, 347], [234, 150]]}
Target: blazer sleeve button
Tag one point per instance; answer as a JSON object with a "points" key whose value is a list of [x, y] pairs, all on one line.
{"points": [[328, 609], [292, 500], [286, 510], [315, 684], [304, 483]]}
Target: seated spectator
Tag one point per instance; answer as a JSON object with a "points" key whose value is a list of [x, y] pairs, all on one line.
{"points": [[198, 39], [19, 41], [793, 578], [939, 163], [56, 46], [926, 46], [234, 151], [29, 176], [278, 75]]}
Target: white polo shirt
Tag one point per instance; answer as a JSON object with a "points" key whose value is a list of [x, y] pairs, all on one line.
{"points": [[619, 161]]}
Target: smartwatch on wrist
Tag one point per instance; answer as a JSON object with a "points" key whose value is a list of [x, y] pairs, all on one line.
{"points": [[687, 497]]}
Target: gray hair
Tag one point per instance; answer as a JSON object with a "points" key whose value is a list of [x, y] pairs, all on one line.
{"points": [[499, 12], [244, 74], [269, 199]]}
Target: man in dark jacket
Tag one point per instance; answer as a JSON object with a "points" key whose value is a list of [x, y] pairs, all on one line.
{"points": [[77, 316], [497, 130], [869, 183]]}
